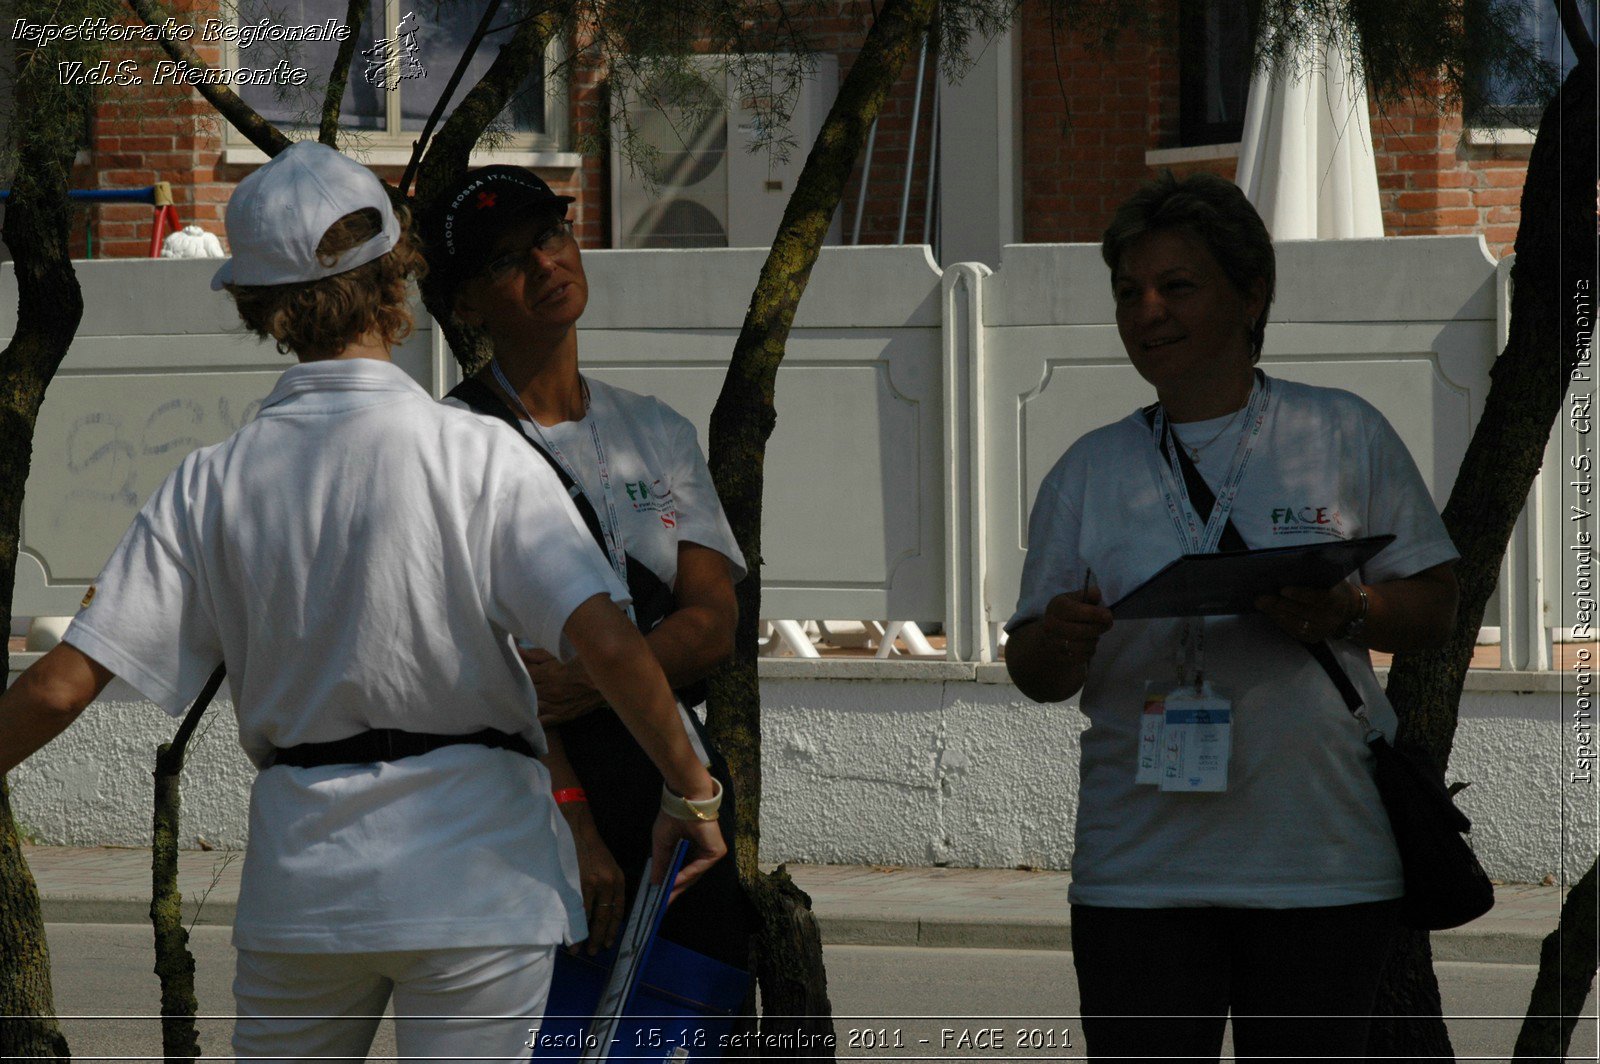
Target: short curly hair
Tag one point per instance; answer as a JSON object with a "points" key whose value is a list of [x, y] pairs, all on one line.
{"points": [[1215, 212], [321, 318]]}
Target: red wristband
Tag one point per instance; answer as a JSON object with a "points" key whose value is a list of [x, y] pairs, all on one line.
{"points": [[569, 794]]}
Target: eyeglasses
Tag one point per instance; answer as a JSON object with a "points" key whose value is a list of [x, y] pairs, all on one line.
{"points": [[551, 241]]}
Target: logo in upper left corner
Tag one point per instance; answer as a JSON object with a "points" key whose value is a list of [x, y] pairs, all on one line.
{"points": [[88, 597]]}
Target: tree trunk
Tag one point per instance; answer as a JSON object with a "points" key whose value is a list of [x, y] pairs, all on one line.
{"points": [[1567, 963], [174, 963], [1555, 261], [27, 1022], [793, 983], [49, 306], [447, 156]]}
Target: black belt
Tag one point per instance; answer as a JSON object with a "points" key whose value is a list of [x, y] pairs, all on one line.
{"points": [[391, 744]]}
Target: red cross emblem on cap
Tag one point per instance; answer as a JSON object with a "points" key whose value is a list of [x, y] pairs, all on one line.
{"points": [[485, 200]]}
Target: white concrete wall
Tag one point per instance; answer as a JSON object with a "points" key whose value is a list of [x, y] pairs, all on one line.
{"points": [[917, 410], [865, 762]]}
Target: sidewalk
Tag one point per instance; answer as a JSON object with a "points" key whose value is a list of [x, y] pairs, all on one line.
{"points": [[856, 905]]}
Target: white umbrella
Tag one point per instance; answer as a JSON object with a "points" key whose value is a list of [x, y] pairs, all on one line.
{"points": [[1305, 159]]}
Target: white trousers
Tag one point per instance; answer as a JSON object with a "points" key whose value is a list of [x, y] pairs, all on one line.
{"points": [[448, 1003]]}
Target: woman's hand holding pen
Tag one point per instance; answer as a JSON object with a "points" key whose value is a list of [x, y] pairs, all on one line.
{"points": [[1075, 621], [1049, 658]]}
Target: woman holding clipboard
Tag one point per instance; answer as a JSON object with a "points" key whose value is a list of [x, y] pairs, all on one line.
{"points": [[1232, 853]]}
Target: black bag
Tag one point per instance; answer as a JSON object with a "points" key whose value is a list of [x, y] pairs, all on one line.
{"points": [[1445, 886]]}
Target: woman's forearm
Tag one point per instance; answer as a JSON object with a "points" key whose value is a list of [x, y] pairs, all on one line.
{"points": [[45, 700], [1413, 613], [614, 654]]}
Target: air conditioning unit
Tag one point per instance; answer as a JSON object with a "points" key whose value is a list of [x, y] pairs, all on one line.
{"points": [[714, 192]]}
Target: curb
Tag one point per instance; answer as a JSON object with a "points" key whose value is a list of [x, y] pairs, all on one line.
{"points": [[69, 910], [860, 929]]}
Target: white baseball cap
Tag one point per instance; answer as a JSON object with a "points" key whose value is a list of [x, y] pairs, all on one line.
{"points": [[278, 215]]}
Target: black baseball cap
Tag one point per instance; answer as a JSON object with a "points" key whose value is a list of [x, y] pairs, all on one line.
{"points": [[464, 220]]}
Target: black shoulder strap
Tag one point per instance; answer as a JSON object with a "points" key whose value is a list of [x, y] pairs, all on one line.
{"points": [[652, 598], [1204, 499], [482, 398]]}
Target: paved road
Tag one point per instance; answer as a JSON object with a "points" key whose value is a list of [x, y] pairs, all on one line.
{"points": [[883, 996]]}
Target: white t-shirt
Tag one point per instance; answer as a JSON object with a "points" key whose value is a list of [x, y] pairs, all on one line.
{"points": [[1301, 823], [358, 555], [660, 485], [659, 481]]}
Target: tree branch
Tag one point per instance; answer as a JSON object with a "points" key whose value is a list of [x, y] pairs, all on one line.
{"points": [[1577, 34], [446, 157], [467, 53], [244, 118], [339, 76], [452, 146]]}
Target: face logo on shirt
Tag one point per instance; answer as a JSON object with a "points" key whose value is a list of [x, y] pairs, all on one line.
{"points": [[1307, 521]]}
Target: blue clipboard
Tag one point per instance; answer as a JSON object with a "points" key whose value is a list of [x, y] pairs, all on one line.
{"points": [[646, 999], [638, 939]]}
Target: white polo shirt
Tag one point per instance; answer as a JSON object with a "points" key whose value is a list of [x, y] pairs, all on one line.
{"points": [[362, 557]]}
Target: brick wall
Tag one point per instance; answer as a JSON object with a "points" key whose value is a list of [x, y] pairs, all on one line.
{"points": [[143, 134], [1431, 180], [1088, 116]]}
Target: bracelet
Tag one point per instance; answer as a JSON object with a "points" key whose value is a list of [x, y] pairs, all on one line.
{"points": [[681, 808], [1353, 628], [568, 795]]}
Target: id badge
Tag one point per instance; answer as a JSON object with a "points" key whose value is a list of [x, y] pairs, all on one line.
{"points": [[1196, 740], [1152, 722]]}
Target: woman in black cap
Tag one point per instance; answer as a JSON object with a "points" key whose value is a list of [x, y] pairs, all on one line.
{"points": [[504, 257]]}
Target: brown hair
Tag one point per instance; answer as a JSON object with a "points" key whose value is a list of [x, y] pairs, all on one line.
{"points": [[323, 317], [1215, 212]]}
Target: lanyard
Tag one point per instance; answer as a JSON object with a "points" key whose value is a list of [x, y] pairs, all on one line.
{"points": [[611, 527], [1175, 492], [1197, 540]]}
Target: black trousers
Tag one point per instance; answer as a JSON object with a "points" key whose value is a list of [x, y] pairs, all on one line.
{"points": [[1158, 984]]}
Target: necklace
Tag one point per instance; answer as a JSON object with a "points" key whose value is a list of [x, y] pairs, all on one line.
{"points": [[1194, 450]]}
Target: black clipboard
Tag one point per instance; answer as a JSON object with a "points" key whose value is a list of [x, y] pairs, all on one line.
{"points": [[1225, 584]]}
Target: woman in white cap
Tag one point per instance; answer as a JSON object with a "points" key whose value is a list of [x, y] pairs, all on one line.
{"points": [[358, 558], [502, 254]]}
